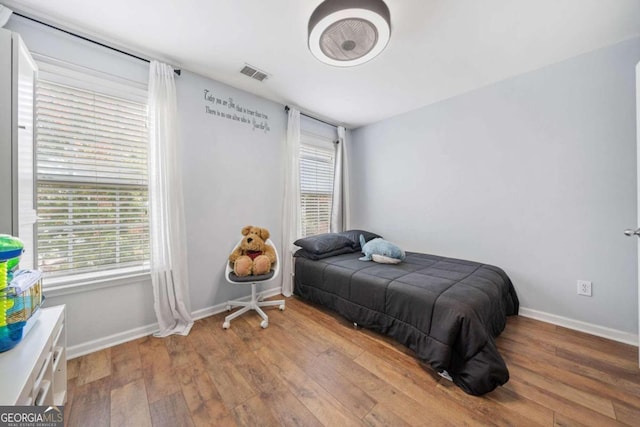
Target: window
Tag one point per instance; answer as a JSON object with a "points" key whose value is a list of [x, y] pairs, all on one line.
{"points": [[316, 184], [91, 148]]}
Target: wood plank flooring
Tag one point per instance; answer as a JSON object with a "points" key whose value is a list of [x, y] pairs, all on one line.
{"points": [[310, 367]]}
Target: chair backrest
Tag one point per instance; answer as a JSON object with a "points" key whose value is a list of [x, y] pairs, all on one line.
{"points": [[276, 267]]}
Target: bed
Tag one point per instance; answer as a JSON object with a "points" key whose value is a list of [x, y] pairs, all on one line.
{"points": [[446, 310]]}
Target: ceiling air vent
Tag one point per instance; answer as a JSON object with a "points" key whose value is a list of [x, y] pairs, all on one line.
{"points": [[254, 73]]}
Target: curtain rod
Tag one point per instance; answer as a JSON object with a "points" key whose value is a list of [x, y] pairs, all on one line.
{"points": [[87, 39], [286, 108]]}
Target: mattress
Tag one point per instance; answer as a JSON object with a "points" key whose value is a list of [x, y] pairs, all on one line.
{"points": [[446, 310]]}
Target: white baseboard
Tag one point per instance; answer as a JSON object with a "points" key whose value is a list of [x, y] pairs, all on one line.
{"points": [[132, 334], [219, 308], [142, 331], [578, 325], [109, 341]]}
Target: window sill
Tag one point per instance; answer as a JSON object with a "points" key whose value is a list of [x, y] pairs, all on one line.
{"points": [[59, 286]]}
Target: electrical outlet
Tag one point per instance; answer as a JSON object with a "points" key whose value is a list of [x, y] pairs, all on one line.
{"points": [[584, 288]]}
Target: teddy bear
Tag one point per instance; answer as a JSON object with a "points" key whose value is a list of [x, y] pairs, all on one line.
{"points": [[253, 256]]}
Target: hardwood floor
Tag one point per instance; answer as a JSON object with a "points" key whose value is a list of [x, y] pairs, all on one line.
{"points": [[310, 367]]}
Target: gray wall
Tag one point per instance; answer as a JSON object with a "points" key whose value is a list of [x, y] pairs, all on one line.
{"points": [[232, 176], [317, 128], [535, 174]]}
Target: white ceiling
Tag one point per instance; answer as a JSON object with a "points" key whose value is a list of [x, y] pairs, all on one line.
{"points": [[438, 48]]}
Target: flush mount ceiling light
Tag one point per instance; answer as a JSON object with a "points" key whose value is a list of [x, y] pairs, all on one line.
{"points": [[345, 33]]}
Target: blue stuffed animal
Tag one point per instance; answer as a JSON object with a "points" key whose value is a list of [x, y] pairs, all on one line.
{"points": [[379, 250]]}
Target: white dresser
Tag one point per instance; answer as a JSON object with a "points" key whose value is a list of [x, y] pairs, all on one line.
{"points": [[35, 371]]}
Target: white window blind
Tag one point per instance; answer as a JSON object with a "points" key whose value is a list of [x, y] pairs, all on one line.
{"points": [[91, 179], [316, 186]]}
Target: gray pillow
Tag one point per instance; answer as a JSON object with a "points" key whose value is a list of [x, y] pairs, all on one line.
{"points": [[325, 243], [303, 253], [354, 236]]}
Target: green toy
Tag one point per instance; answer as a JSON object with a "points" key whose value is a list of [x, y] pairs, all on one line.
{"points": [[11, 249]]}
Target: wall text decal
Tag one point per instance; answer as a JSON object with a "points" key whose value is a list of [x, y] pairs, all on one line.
{"points": [[230, 110]]}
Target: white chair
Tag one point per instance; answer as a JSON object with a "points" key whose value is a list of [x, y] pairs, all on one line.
{"points": [[256, 301]]}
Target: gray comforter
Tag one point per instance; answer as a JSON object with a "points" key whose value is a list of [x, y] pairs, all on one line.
{"points": [[447, 310]]}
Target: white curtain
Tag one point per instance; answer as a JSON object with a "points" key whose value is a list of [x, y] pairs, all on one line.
{"points": [[290, 215], [166, 211], [340, 204]]}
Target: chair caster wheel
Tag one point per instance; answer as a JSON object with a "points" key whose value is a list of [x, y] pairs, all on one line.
{"points": [[264, 324], [281, 307], [226, 325]]}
